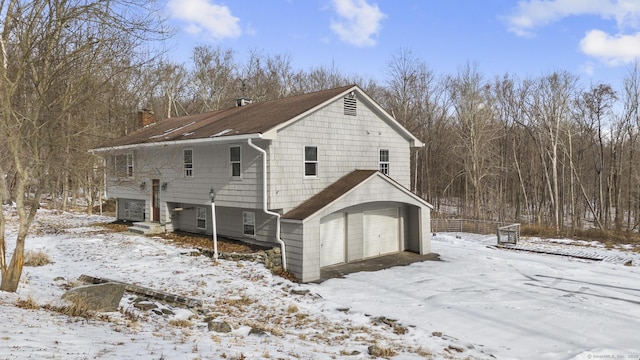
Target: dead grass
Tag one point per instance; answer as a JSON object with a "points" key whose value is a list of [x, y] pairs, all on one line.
{"points": [[77, 307], [181, 323], [36, 258], [29, 303]]}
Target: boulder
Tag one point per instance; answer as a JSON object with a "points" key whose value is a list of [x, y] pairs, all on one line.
{"points": [[101, 297]]}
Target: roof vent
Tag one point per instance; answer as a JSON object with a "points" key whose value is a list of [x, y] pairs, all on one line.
{"points": [[350, 104], [243, 101]]}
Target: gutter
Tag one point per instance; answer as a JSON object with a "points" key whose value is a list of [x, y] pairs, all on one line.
{"points": [[264, 202], [220, 139]]}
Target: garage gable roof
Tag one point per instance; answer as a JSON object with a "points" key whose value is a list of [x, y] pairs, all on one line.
{"points": [[339, 189]]}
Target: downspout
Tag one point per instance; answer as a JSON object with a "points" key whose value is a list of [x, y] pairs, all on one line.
{"points": [[264, 202]]}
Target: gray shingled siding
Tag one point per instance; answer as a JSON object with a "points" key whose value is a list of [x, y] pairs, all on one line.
{"points": [[344, 143]]}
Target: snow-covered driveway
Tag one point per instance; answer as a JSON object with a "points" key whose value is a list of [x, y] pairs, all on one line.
{"points": [[510, 304]]}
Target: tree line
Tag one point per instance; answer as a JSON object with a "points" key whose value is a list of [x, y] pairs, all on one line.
{"points": [[74, 73]]}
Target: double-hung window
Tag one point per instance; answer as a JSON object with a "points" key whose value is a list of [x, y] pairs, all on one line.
{"points": [[123, 165], [201, 218], [235, 161], [249, 223], [384, 161], [311, 161], [188, 162]]}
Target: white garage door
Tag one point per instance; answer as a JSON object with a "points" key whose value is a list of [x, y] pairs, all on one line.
{"points": [[332, 239], [380, 232]]}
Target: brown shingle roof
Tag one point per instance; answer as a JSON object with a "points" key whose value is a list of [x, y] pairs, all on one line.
{"points": [[248, 119], [329, 194]]}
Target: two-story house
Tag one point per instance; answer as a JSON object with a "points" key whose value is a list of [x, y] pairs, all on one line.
{"points": [[323, 175]]}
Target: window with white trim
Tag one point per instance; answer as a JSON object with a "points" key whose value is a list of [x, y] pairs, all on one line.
{"points": [[201, 218], [311, 161], [123, 165], [188, 162], [384, 161], [235, 161], [249, 223]]}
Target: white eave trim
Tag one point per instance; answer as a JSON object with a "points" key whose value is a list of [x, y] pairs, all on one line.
{"points": [[378, 174], [414, 141], [218, 139]]}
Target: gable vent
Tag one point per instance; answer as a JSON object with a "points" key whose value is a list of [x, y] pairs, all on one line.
{"points": [[350, 104]]}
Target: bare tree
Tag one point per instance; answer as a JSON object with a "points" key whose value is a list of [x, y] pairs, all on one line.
{"points": [[48, 52], [477, 130]]}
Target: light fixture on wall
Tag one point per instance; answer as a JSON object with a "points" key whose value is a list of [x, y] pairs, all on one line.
{"points": [[164, 186], [143, 185]]}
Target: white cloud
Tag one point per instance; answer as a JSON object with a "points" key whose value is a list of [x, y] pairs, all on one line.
{"points": [[529, 15], [201, 16], [612, 50], [358, 23]]}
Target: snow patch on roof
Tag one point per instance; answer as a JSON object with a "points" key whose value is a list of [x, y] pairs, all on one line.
{"points": [[221, 133], [171, 131]]}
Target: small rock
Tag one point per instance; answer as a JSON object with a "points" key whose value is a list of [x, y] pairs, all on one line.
{"points": [[257, 332], [437, 334], [299, 291], [58, 278], [145, 305], [343, 309], [218, 326], [455, 348]]}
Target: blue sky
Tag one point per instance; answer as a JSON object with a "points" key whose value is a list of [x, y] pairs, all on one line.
{"points": [[598, 40]]}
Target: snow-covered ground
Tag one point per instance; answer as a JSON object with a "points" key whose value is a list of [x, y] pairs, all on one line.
{"points": [[478, 302]]}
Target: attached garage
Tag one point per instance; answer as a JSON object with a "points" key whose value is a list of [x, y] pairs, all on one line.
{"points": [[363, 215]]}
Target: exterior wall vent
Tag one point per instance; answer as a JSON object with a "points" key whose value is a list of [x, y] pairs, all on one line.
{"points": [[350, 104]]}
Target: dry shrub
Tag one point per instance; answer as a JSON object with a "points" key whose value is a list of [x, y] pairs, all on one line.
{"points": [[608, 237], [264, 327], [292, 309], [182, 323], [28, 303], [36, 258], [77, 307]]}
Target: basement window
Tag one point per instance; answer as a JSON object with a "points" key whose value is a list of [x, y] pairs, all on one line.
{"points": [[201, 218], [249, 223]]}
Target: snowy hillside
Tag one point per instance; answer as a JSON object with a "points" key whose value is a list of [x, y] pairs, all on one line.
{"points": [[479, 303]]}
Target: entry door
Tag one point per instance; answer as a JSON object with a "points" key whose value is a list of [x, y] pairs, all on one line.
{"points": [[155, 199], [332, 239]]}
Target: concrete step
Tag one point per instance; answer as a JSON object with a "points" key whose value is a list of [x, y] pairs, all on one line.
{"points": [[146, 228]]}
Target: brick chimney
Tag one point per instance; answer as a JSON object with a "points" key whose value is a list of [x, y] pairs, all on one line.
{"points": [[146, 117]]}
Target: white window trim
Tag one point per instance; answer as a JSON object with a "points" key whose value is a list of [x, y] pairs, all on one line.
{"points": [[304, 162], [235, 162], [244, 223], [184, 164], [199, 211], [388, 162]]}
